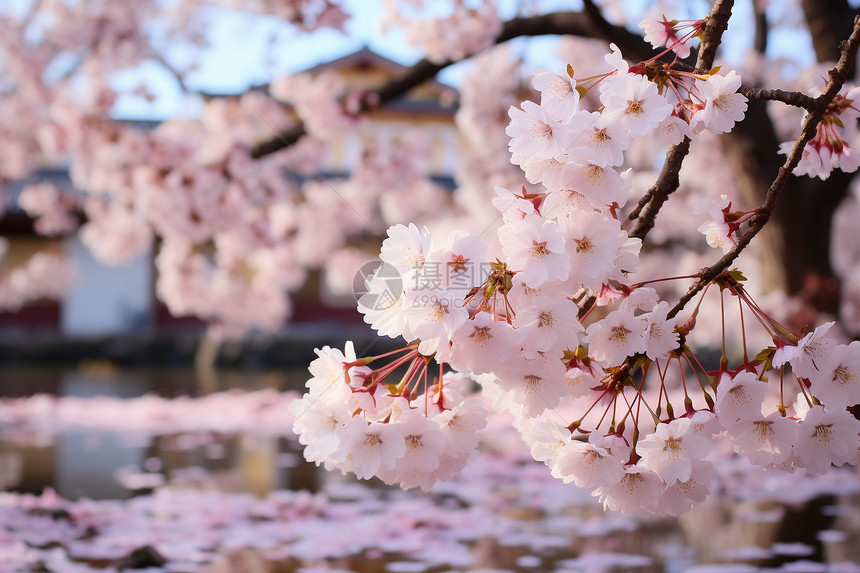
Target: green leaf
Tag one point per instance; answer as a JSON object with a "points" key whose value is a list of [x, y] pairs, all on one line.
{"points": [[490, 290], [764, 354], [765, 357], [737, 275]]}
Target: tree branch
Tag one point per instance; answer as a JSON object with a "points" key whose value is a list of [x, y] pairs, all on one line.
{"points": [[797, 99], [177, 75], [667, 182], [557, 23], [837, 75]]}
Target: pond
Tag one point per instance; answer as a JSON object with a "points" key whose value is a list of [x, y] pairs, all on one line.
{"points": [[108, 469]]}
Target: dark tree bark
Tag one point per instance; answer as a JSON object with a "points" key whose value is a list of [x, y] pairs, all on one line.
{"points": [[829, 23], [761, 26]]}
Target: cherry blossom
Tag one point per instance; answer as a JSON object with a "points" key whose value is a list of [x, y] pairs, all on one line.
{"points": [[669, 451], [672, 131], [805, 356], [464, 31], [680, 496], [635, 103], [596, 138], [546, 438], [432, 319], [619, 335], [51, 207], [832, 147], [718, 229], [320, 424], [840, 385], [555, 323], [366, 448], [638, 489], [536, 247], [558, 93], [825, 438], [664, 33], [661, 337], [593, 241], [406, 248], [587, 465], [534, 133], [482, 343], [764, 441], [534, 383], [551, 325], [723, 105], [739, 397]]}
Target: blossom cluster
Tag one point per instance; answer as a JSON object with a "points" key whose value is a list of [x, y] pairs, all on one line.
{"points": [[833, 145], [564, 147], [52, 208], [549, 321], [353, 421], [43, 275], [667, 33], [723, 223]]}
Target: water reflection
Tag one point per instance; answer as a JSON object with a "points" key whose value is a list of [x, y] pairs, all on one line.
{"points": [[211, 482], [84, 461], [103, 378], [85, 464]]}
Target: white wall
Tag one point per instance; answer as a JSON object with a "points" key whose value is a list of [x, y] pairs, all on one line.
{"points": [[107, 300]]}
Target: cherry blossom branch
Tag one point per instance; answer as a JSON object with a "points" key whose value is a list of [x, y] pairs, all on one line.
{"points": [[667, 182], [557, 23], [837, 77], [177, 75]]}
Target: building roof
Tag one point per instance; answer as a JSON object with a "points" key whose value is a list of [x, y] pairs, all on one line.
{"points": [[369, 70], [367, 59]]}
